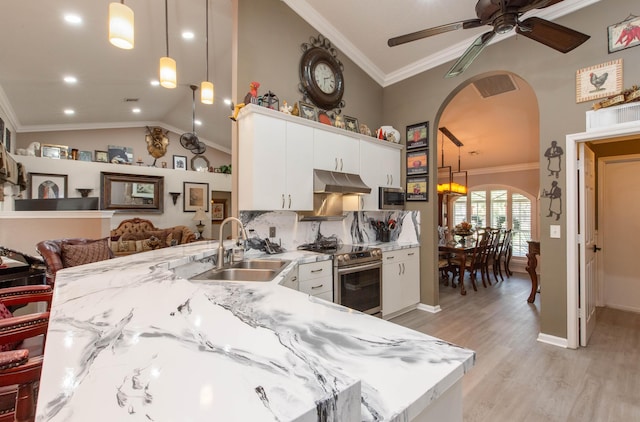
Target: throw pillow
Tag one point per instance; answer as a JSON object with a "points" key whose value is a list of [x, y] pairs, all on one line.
{"points": [[6, 313], [73, 255]]}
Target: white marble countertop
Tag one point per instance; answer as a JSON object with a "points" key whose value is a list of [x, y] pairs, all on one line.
{"points": [[133, 339]]}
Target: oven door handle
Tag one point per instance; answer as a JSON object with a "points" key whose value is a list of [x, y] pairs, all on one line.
{"points": [[364, 267]]}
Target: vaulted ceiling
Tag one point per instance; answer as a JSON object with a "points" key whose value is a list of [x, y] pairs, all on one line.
{"points": [[39, 48]]}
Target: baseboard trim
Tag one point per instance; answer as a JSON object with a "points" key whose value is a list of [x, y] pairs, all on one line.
{"points": [[553, 340], [429, 308]]}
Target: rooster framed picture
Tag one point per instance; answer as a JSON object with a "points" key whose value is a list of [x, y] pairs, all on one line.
{"points": [[599, 81]]}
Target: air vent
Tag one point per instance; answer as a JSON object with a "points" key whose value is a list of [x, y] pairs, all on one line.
{"points": [[494, 85], [131, 100]]}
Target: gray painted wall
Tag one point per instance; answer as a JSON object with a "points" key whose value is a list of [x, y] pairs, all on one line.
{"points": [[269, 40]]}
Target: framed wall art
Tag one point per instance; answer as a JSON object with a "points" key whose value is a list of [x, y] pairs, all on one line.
{"points": [[417, 162], [351, 124], [120, 155], [417, 188], [57, 152], [47, 186], [180, 162], [418, 136], [599, 81], [195, 195], [102, 156], [7, 140], [218, 209], [85, 156], [307, 111], [625, 34]]}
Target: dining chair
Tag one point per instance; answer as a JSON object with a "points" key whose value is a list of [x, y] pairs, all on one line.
{"points": [[22, 340], [474, 259], [504, 256], [491, 254]]}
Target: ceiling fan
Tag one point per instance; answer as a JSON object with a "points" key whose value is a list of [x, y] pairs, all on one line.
{"points": [[189, 140], [503, 16]]}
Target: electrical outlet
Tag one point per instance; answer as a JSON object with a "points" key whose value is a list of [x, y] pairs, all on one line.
{"points": [[272, 232]]}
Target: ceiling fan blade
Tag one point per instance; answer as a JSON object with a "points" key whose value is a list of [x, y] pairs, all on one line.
{"points": [[402, 39], [469, 56], [551, 34]]}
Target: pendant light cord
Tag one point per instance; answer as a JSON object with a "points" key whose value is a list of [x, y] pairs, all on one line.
{"points": [[166, 24], [206, 37]]}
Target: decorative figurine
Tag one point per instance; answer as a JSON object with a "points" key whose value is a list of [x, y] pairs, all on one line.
{"points": [[286, 108], [157, 143], [250, 98], [339, 122]]}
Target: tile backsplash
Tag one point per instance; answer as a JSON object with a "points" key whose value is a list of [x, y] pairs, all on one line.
{"points": [[356, 227]]}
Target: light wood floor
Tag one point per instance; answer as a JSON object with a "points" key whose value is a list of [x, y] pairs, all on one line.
{"points": [[517, 378]]}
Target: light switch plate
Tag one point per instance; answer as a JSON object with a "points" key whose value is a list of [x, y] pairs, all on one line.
{"points": [[554, 231]]}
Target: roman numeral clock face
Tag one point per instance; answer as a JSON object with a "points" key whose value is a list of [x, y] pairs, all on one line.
{"points": [[321, 78]]}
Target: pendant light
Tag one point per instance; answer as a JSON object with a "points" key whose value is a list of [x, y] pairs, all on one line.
{"points": [[206, 87], [168, 73], [451, 182], [121, 25]]}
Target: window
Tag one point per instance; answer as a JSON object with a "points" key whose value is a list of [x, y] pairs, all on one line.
{"points": [[502, 207]]}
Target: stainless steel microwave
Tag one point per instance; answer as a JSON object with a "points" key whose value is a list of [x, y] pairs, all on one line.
{"points": [[390, 198]]}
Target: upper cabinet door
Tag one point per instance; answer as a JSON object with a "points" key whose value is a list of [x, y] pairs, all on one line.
{"points": [[336, 152], [379, 166], [299, 172]]}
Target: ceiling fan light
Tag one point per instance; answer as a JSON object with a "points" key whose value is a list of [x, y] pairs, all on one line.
{"points": [[206, 92], [168, 73], [121, 26]]}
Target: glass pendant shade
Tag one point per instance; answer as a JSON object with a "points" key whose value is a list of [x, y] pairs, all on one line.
{"points": [[206, 92], [121, 26], [168, 74]]}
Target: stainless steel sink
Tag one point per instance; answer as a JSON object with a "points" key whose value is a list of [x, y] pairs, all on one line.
{"points": [[250, 270], [264, 264]]}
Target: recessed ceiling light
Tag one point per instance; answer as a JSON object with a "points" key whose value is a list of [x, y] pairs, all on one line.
{"points": [[197, 122], [70, 79], [69, 112], [73, 19], [188, 35], [155, 82], [136, 110], [227, 101]]}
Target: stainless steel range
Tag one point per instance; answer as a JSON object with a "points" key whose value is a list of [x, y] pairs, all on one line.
{"points": [[357, 275]]}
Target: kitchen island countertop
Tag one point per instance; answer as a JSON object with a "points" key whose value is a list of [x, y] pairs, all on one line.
{"points": [[133, 339]]}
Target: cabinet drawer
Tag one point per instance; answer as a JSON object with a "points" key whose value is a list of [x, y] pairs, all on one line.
{"points": [[315, 270], [317, 286], [328, 296]]}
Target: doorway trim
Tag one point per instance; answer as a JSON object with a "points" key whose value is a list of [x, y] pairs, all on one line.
{"points": [[573, 280]]}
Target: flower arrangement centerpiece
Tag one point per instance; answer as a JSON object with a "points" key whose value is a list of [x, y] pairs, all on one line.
{"points": [[463, 229]]}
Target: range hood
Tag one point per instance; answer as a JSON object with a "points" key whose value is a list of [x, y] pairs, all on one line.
{"points": [[334, 182]]}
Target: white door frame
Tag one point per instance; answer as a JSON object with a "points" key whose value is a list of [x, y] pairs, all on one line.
{"points": [[571, 206]]}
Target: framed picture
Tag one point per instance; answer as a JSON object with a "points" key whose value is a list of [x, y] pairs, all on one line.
{"points": [[102, 156], [120, 155], [417, 162], [58, 152], [418, 135], [85, 156], [417, 189], [599, 81], [131, 192], [180, 162], [307, 111], [625, 34], [7, 139], [195, 195], [351, 124], [218, 208], [47, 186], [2, 131]]}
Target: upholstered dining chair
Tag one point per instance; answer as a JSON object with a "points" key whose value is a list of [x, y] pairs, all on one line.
{"points": [[64, 253], [22, 341]]}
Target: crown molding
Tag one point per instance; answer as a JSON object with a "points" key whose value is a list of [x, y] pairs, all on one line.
{"points": [[313, 18]]}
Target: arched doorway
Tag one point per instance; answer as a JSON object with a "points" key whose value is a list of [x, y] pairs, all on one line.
{"points": [[495, 116]]}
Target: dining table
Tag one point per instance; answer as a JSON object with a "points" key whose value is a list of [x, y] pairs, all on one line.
{"points": [[461, 250]]}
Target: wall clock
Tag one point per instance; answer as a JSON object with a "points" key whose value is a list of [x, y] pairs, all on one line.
{"points": [[321, 77]]}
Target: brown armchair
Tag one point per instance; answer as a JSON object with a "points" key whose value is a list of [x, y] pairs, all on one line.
{"points": [[64, 253], [21, 367]]}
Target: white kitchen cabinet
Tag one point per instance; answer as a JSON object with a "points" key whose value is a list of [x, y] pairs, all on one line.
{"points": [[335, 152], [400, 281], [291, 280], [316, 279], [275, 164], [379, 166]]}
